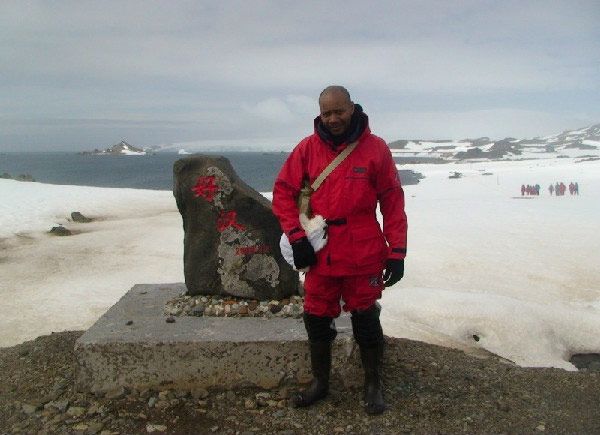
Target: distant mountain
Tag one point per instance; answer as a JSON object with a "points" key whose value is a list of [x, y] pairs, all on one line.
{"points": [[583, 144], [122, 148]]}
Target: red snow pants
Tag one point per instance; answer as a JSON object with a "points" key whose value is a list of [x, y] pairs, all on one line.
{"points": [[322, 293]]}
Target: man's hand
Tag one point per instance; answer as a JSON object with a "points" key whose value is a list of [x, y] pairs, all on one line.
{"points": [[304, 253], [394, 271]]}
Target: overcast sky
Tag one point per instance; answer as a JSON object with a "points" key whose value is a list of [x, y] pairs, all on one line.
{"points": [[78, 75]]}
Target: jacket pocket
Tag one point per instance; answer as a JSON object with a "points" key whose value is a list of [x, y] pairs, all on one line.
{"points": [[368, 245], [358, 194]]}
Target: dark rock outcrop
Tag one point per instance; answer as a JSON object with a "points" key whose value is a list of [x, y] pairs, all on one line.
{"points": [[78, 217], [231, 241], [25, 177], [586, 361], [60, 231], [471, 153], [20, 177], [410, 177]]}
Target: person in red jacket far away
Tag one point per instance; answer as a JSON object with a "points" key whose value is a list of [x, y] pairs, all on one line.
{"points": [[359, 259]]}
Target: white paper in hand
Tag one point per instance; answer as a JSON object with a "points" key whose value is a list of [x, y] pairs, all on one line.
{"points": [[315, 229]]}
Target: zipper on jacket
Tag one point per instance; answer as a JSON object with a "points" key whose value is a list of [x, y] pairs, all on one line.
{"points": [[328, 260]]}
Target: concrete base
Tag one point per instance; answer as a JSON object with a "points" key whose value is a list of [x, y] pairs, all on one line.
{"points": [[200, 352]]}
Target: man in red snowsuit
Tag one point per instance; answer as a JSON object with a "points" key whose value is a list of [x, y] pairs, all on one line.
{"points": [[359, 259]]}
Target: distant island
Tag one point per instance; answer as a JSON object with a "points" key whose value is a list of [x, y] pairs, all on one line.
{"points": [[120, 149], [583, 143]]}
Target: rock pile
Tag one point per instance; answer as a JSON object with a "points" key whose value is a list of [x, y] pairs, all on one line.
{"points": [[216, 306]]}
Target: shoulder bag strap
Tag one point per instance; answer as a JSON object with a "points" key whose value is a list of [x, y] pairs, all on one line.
{"points": [[334, 164], [306, 191]]}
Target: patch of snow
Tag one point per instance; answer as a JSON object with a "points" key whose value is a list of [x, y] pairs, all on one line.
{"points": [[582, 131], [129, 152]]}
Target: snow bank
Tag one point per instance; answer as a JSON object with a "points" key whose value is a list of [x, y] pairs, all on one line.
{"points": [[58, 283], [518, 272]]}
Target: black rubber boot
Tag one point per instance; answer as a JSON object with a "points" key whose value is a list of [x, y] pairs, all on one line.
{"points": [[372, 361], [320, 361], [369, 336]]}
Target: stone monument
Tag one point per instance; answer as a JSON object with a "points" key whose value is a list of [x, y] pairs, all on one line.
{"points": [[231, 241]]}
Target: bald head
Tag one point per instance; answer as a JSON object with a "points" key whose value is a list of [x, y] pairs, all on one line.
{"points": [[335, 89]]}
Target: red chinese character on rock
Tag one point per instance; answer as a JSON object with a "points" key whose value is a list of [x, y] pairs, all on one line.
{"points": [[226, 219], [205, 187]]}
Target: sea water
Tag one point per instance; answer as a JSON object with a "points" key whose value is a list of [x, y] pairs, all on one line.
{"points": [[153, 171]]}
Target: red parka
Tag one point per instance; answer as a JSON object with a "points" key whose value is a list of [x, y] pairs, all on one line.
{"points": [[347, 199]]}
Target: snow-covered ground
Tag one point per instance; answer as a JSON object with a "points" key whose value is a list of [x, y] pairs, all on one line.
{"points": [[486, 269], [50, 283], [520, 274]]}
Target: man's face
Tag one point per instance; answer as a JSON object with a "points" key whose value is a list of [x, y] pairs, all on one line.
{"points": [[336, 112]]}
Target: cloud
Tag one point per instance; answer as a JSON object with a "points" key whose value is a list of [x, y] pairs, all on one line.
{"points": [[282, 111], [237, 69], [414, 47], [273, 109], [493, 123]]}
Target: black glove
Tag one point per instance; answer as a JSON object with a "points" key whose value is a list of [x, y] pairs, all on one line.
{"points": [[394, 271], [304, 253]]}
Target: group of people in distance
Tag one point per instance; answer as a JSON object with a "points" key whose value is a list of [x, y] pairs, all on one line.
{"points": [[560, 188], [530, 189]]}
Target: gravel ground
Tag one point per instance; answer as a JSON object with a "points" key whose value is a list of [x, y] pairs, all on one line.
{"points": [[429, 389]]}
